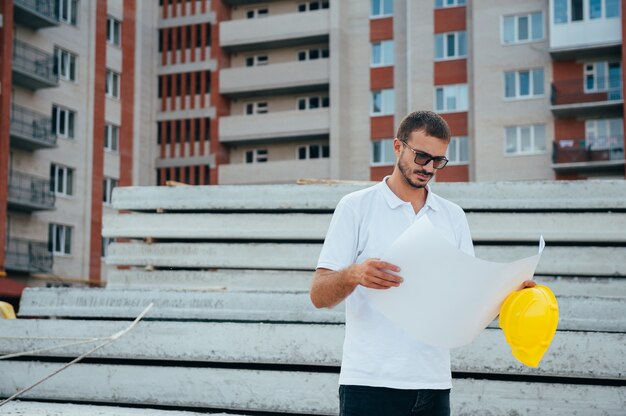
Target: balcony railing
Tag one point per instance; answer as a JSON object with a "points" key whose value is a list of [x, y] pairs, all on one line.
{"points": [[27, 256], [29, 193], [31, 130], [35, 14], [572, 92], [596, 149], [33, 68]]}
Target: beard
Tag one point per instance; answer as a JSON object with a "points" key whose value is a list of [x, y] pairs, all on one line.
{"points": [[408, 173]]}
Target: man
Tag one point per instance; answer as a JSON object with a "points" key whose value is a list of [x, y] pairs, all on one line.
{"points": [[385, 371]]}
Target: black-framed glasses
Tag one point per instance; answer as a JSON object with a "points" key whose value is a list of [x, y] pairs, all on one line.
{"points": [[423, 158]]}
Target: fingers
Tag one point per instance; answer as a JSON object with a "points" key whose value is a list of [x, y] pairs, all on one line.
{"points": [[528, 284], [379, 264], [372, 274]]}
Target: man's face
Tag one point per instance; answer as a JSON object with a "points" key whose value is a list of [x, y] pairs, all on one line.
{"points": [[415, 175]]}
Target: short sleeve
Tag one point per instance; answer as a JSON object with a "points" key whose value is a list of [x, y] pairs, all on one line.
{"points": [[340, 246]]}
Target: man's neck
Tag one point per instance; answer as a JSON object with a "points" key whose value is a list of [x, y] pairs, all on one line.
{"points": [[407, 193]]}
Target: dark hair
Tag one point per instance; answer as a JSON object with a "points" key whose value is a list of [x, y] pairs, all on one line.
{"points": [[430, 123]]}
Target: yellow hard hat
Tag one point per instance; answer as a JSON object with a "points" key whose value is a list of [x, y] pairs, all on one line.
{"points": [[529, 318]]}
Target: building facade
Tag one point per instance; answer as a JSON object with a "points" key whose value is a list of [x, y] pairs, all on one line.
{"points": [[98, 94]]}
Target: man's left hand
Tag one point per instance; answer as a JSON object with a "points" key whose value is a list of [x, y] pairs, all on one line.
{"points": [[528, 284]]}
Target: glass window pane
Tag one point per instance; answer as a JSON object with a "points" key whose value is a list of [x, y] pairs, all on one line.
{"points": [[577, 10], [524, 83], [452, 153], [525, 139], [388, 52], [326, 148], [560, 11], [615, 76], [376, 54], [68, 240], [389, 101], [438, 46], [376, 102], [462, 44], [508, 29], [389, 156], [314, 151], [376, 152], [314, 102], [439, 99], [451, 98], [463, 149], [438, 4], [537, 25], [612, 8], [462, 97], [509, 84], [450, 45], [595, 9], [70, 123], [540, 137], [70, 182], [522, 28], [57, 239], [511, 140], [616, 127], [538, 81], [375, 7], [601, 75], [388, 7]]}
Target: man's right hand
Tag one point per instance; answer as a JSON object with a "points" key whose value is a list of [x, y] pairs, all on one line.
{"points": [[374, 274]]}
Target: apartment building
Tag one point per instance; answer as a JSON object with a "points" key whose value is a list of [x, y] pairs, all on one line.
{"points": [[70, 130]]}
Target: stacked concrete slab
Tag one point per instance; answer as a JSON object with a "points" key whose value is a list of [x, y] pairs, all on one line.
{"points": [[232, 328]]}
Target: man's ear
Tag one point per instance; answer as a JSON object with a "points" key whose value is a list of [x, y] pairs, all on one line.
{"points": [[397, 146]]}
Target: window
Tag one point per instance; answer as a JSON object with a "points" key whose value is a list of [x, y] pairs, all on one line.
{"points": [[451, 98], [603, 134], [63, 122], [255, 156], [525, 140], [112, 87], [65, 64], [604, 76], [61, 180], [448, 3], [382, 8], [522, 28], [566, 11], [312, 6], [256, 13], [66, 10], [256, 60], [315, 53], [259, 107], [382, 152], [382, 53], [60, 239], [105, 245], [107, 189], [111, 137], [451, 45], [599, 9], [310, 103], [114, 28], [383, 102], [312, 151], [524, 84], [458, 152]]}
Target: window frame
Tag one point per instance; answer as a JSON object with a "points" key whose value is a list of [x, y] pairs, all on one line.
{"points": [[71, 7], [307, 102], [108, 184], [455, 3], [458, 142], [531, 84], [594, 74], [256, 11], [591, 130], [115, 78], [518, 136], [445, 89], [60, 55], [112, 24], [258, 107], [110, 138], [65, 238], [69, 115], [381, 6], [383, 110], [65, 187], [257, 156], [307, 149], [382, 44], [456, 55], [516, 18], [383, 152], [307, 6]]}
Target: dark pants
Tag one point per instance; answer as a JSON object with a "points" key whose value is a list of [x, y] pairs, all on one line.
{"points": [[381, 401]]}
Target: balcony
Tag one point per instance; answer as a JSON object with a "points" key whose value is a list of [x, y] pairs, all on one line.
{"points": [[282, 171], [36, 14], [33, 68], [31, 130], [568, 99], [285, 78], [29, 193], [290, 29], [598, 154], [27, 256], [273, 127]]}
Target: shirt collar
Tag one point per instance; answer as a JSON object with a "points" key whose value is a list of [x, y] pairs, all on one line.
{"points": [[394, 201]]}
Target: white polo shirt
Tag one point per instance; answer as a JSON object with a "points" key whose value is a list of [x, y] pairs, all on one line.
{"points": [[376, 352]]}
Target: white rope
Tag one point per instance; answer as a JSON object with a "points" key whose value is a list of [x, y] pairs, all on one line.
{"points": [[33, 352], [109, 340]]}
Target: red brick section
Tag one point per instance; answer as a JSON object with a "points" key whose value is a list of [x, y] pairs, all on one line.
{"points": [[450, 19], [377, 173], [455, 173], [6, 58], [569, 128], [127, 97], [451, 72], [95, 231], [570, 89], [221, 104], [382, 127], [381, 78], [624, 75], [457, 123], [381, 29]]}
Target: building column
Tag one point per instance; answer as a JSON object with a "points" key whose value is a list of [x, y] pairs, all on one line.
{"points": [[127, 93], [6, 60], [97, 175]]}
